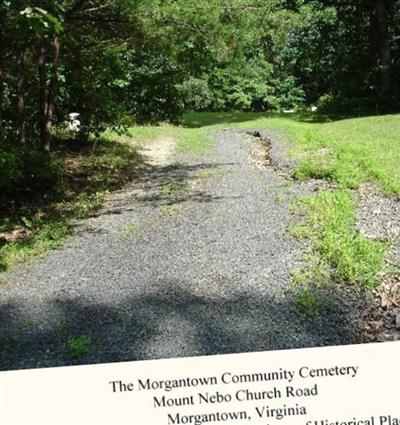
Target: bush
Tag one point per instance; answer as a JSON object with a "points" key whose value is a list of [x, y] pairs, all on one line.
{"points": [[10, 169], [196, 94], [27, 172], [356, 106]]}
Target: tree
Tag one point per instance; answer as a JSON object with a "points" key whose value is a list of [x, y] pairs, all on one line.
{"points": [[118, 60]]}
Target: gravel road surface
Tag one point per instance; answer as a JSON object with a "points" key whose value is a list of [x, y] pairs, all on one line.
{"points": [[193, 259]]}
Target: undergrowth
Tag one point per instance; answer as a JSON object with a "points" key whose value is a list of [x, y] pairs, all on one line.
{"points": [[40, 218]]}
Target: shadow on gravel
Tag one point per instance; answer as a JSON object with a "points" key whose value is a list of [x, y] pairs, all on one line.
{"points": [[168, 185], [157, 176], [171, 322]]}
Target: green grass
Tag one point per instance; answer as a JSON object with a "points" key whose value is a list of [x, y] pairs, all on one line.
{"points": [[50, 236], [79, 346], [169, 210], [189, 140], [306, 303], [336, 243], [351, 152], [130, 229], [173, 187]]}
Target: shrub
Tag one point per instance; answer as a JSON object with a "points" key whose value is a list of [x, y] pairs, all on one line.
{"points": [[196, 94], [340, 105], [27, 172]]}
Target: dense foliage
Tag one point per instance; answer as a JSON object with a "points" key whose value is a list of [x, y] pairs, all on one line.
{"points": [[114, 61]]}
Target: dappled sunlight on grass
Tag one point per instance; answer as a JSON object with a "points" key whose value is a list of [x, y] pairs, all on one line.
{"points": [[187, 139]]}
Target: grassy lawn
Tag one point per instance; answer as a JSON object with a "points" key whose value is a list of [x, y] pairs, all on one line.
{"points": [[188, 140], [347, 152]]}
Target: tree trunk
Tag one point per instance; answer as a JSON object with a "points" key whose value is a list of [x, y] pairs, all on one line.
{"points": [[43, 94], [51, 94], [2, 61], [21, 118], [383, 9]]}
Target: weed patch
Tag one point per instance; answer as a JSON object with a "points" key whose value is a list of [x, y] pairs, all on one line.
{"points": [[79, 346], [306, 304], [169, 210], [173, 187], [335, 242], [130, 229]]}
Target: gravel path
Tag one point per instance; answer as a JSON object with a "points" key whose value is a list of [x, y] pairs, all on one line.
{"points": [[193, 260]]}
